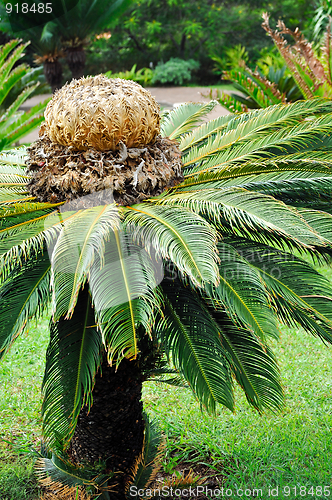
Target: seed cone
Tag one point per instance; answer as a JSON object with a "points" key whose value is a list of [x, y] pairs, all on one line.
{"points": [[99, 112]]}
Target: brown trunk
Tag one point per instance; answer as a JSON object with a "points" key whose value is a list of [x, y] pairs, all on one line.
{"points": [[76, 61], [53, 74], [113, 430]]}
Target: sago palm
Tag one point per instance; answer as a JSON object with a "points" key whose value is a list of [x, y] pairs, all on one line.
{"points": [[79, 21], [180, 241]]}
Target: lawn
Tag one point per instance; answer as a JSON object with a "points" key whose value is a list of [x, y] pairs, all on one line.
{"points": [[291, 450]]}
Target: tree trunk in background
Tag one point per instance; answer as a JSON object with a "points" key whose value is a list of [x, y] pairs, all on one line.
{"points": [[75, 57], [53, 74], [113, 430]]}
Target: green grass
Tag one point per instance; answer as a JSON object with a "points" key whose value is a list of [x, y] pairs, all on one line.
{"points": [[292, 448]]}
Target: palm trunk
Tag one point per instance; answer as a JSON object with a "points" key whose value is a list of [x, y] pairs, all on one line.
{"points": [[113, 430], [53, 74], [76, 61]]}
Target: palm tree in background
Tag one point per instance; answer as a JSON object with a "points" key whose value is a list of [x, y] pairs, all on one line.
{"points": [[228, 230], [47, 47], [81, 19], [63, 33]]}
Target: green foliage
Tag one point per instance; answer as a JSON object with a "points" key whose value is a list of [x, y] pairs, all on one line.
{"points": [[321, 18], [297, 72], [270, 83], [234, 58], [164, 29], [15, 124], [176, 71], [142, 76]]}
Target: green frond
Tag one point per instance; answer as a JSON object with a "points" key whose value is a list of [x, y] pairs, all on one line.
{"points": [[25, 238], [14, 107], [124, 292], [299, 293], [7, 48], [248, 86], [82, 238], [242, 294], [252, 363], [203, 132], [227, 149], [231, 102], [72, 360], [24, 295], [15, 159], [295, 183], [247, 213], [10, 179], [10, 81], [191, 340], [185, 117], [14, 130], [14, 214], [10, 59], [320, 221], [13, 192], [178, 234]]}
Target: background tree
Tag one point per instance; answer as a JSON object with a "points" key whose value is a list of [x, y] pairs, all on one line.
{"points": [[161, 29]]}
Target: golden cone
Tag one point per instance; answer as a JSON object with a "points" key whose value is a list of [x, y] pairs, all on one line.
{"points": [[99, 112]]}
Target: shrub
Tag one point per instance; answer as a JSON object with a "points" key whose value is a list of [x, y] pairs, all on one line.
{"points": [[142, 76], [175, 71]]}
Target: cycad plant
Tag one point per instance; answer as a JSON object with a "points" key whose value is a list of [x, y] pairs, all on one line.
{"points": [[14, 123], [63, 32], [180, 241], [307, 73], [80, 19]]}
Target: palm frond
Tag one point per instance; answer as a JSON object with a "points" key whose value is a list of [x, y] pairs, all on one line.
{"points": [[15, 159], [27, 236], [123, 284], [299, 293], [226, 149], [184, 117], [82, 238], [244, 212], [7, 48], [320, 221], [191, 340], [203, 132], [16, 127], [179, 234], [72, 360], [241, 293], [24, 295], [252, 363]]}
